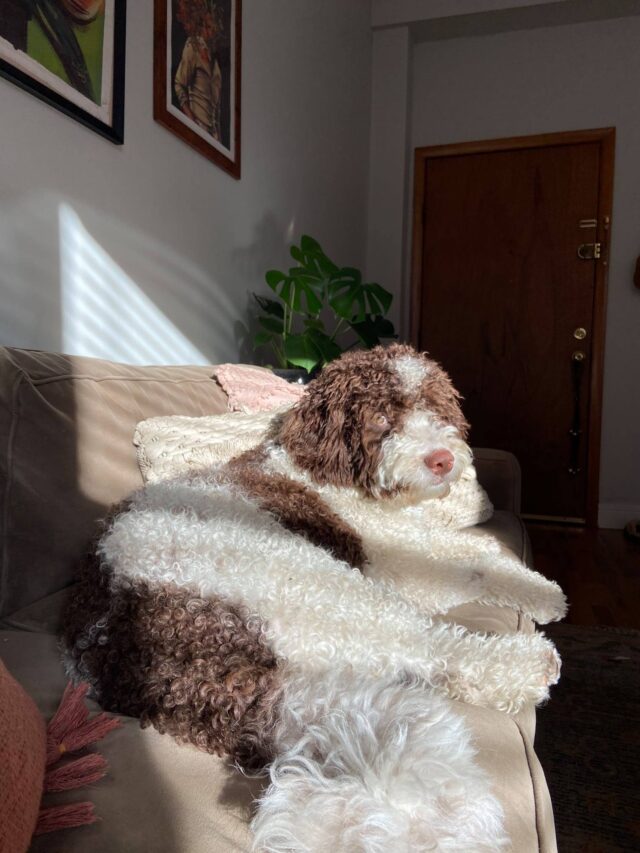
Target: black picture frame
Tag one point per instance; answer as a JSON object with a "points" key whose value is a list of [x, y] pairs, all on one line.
{"points": [[113, 128]]}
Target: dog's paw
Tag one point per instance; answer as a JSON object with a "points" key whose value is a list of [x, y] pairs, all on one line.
{"points": [[553, 666], [533, 666], [549, 606], [544, 672]]}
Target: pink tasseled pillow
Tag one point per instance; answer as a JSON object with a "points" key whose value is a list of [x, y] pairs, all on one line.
{"points": [[23, 749], [252, 390], [33, 761]]}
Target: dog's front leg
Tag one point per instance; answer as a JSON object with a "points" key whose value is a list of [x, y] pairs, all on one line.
{"points": [[453, 570], [506, 581], [497, 575], [504, 672], [435, 585]]}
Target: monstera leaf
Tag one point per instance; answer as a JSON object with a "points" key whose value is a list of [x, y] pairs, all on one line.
{"points": [[372, 329], [293, 325], [353, 300], [293, 287]]}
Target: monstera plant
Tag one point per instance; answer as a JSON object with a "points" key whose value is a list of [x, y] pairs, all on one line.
{"points": [[320, 310]]}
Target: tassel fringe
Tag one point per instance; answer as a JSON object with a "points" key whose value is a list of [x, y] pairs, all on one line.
{"points": [[64, 817], [75, 774], [69, 730]]}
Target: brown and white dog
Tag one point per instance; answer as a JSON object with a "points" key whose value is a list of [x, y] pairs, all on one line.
{"points": [[257, 610]]}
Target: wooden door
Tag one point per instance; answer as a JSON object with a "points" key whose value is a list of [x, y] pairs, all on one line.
{"points": [[503, 300]]}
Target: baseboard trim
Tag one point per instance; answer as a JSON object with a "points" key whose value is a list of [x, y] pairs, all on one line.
{"points": [[615, 516]]}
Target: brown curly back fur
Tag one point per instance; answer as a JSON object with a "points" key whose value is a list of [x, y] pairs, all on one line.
{"points": [[331, 432], [195, 668], [297, 508]]}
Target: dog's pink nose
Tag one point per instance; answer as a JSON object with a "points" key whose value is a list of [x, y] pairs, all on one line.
{"points": [[440, 462]]}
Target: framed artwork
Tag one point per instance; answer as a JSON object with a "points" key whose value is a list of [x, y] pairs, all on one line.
{"points": [[197, 59], [71, 54]]}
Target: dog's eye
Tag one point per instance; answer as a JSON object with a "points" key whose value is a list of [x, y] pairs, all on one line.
{"points": [[380, 421]]}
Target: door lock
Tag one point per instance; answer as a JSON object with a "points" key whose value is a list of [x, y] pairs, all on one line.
{"points": [[589, 251], [580, 333]]}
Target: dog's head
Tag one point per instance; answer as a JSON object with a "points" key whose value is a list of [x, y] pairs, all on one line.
{"points": [[386, 420]]}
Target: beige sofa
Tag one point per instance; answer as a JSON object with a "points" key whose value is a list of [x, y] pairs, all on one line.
{"points": [[66, 427]]}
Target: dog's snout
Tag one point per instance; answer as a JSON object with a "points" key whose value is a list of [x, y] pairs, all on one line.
{"points": [[439, 462]]}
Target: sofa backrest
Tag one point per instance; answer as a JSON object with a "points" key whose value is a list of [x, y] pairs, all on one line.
{"points": [[66, 455]]}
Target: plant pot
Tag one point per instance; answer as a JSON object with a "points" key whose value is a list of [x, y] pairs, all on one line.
{"points": [[297, 375]]}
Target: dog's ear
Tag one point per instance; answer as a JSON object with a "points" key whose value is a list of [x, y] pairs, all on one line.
{"points": [[333, 431], [440, 396], [316, 433]]}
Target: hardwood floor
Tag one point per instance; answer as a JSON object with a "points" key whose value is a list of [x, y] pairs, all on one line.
{"points": [[599, 570]]}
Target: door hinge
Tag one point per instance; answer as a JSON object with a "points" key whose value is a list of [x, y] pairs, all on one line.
{"points": [[589, 251]]}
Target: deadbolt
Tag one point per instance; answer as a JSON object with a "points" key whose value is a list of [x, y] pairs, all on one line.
{"points": [[580, 333], [578, 355], [589, 251]]}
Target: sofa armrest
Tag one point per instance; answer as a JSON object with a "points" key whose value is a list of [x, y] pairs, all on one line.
{"points": [[499, 475]]}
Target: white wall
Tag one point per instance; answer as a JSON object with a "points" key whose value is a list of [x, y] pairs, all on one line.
{"points": [[386, 214], [146, 252], [555, 79]]}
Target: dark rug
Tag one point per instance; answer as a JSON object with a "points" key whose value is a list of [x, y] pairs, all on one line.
{"points": [[588, 740]]}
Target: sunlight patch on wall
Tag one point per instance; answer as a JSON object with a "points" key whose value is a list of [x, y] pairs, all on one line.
{"points": [[104, 313]]}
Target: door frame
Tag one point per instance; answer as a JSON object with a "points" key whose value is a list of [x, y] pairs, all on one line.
{"points": [[605, 137]]}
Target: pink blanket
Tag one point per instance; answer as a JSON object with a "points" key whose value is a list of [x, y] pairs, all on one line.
{"points": [[251, 389]]}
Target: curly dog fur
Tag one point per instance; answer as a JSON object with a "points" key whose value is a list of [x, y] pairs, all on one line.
{"points": [[270, 610]]}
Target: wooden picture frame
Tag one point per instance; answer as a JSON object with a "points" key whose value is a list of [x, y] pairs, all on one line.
{"points": [[70, 55], [197, 76]]}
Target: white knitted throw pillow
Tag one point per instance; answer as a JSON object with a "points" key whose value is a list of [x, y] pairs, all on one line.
{"points": [[171, 446]]}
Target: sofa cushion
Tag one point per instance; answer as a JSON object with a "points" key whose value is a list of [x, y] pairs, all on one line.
{"points": [[66, 454], [169, 798], [42, 616]]}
